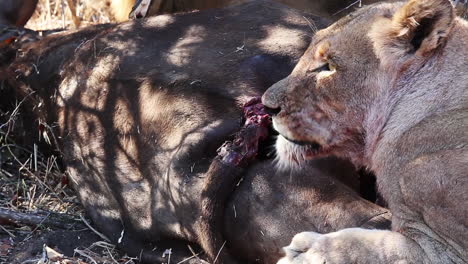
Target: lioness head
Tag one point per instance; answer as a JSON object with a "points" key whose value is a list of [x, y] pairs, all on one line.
{"points": [[324, 105]]}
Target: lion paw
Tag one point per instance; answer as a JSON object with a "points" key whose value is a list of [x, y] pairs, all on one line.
{"points": [[301, 243], [304, 248], [350, 245], [309, 247]]}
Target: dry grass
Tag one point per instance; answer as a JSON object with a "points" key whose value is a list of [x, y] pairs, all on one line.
{"points": [[55, 14], [28, 179], [31, 181]]}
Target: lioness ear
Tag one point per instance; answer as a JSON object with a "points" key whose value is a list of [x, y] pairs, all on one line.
{"points": [[418, 27]]}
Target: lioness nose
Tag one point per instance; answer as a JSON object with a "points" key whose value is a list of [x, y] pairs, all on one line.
{"points": [[272, 111], [273, 97], [269, 100]]}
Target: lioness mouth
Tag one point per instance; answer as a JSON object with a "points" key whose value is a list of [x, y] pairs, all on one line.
{"points": [[311, 146], [293, 153]]}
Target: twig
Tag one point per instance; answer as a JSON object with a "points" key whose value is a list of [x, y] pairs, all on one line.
{"points": [[62, 221], [82, 253], [353, 3], [35, 157], [112, 257], [193, 253], [37, 226], [15, 113], [8, 232], [48, 14], [23, 166], [72, 8], [189, 258], [63, 13], [94, 230], [219, 252]]}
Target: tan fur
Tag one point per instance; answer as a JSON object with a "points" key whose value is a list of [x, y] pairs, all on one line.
{"points": [[387, 88], [121, 9], [391, 37]]}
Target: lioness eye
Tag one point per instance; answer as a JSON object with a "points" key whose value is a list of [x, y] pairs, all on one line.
{"points": [[326, 67]]}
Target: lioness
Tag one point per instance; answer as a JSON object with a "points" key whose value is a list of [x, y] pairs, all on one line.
{"points": [[386, 87]]}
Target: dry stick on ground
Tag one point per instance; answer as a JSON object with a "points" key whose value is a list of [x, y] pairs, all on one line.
{"points": [[7, 231], [49, 219], [219, 252], [193, 253], [94, 230], [86, 255], [48, 12], [24, 167], [75, 19], [352, 4], [189, 258], [9, 125]]}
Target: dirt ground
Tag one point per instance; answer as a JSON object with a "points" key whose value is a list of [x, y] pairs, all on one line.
{"points": [[54, 14]]}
